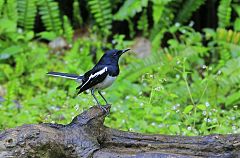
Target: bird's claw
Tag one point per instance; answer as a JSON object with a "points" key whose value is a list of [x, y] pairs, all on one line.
{"points": [[104, 109]]}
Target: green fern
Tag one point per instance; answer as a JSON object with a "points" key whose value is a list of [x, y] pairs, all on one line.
{"points": [[130, 8], [77, 13], [228, 36], [68, 30], [143, 23], [1, 7], [49, 12], [136, 69], [224, 13], [187, 9], [26, 12], [159, 8], [101, 10], [231, 71], [9, 10]]}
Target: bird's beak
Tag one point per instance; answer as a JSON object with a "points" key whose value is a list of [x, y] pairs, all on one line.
{"points": [[125, 50]]}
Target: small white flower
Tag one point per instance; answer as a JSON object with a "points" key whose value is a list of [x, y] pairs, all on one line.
{"points": [[209, 120], [161, 125], [207, 104], [153, 123], [177, 76], [204, 66], [19, 30], [184, 31], [177, 24], [204, 113], [189, 128], [191, 23], [174, 107], [127, 97], [76, 107], [157, 88], [141, 104], [214, 110], [219, 72]]}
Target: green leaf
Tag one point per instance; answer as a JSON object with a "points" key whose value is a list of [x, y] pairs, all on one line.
{"points": [[8, 52], [187, 109], [7, 26], [201, 107], [48, 35], [237, 24], [130, 8], [158, 8]]}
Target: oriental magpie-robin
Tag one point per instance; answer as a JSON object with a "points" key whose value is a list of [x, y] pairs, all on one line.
{"points": [[101, 76]]}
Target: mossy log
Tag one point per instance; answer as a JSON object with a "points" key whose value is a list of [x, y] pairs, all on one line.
{"points": [[86, 136]]}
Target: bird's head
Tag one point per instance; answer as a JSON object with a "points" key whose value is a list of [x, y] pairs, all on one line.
{"points": [[114, 53], [112, 56]]}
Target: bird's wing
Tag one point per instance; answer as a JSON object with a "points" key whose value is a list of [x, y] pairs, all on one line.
{"points": [[93, 77]]}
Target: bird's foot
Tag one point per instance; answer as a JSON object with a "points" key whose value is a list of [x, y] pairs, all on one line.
{"points": [[104, 109]]}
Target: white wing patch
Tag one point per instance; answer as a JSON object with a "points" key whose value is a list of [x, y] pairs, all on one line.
{"points": [[95, 75]]}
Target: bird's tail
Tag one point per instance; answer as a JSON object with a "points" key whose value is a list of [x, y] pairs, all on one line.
{"points": [[66, 75]]}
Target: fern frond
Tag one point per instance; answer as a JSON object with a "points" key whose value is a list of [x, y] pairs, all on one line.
{"points": [[1, 7], [50, 16], [130, 8], [188, 8], [26, 11], [77, 19], [101, 10], [135, 70], [9, 10], [231, 71], [224, 13], [68, 30], [228, 36], [143, 23], [158, 8]]}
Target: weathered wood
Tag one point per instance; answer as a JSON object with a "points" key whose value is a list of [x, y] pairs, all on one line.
{"points": [[86, 136]]}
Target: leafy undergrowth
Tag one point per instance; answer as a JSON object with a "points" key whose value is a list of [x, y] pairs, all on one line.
{"points": [[186, 89], [188, 85]]}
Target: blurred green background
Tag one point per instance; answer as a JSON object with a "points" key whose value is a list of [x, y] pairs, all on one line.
{"points": [[182, 75]]}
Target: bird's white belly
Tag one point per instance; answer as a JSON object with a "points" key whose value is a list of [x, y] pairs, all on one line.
{"points": [[108, 81]]}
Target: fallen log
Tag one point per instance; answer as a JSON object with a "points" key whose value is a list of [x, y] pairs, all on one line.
{"points": [[86, 136]]}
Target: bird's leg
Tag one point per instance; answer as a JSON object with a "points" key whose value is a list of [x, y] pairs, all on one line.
{"points": [[101, 107], [99, 92]]}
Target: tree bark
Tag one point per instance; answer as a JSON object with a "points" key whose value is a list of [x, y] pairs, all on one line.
{"points": [[86, 136]]}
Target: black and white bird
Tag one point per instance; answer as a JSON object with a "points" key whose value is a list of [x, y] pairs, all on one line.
{"points": [[101, 76]]}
